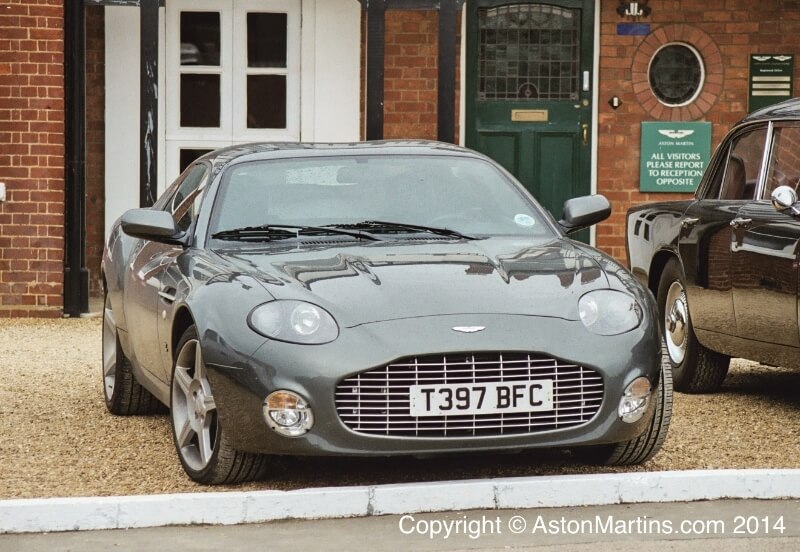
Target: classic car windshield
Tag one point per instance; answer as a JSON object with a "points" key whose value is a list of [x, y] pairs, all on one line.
{"points": [[458, 193]]}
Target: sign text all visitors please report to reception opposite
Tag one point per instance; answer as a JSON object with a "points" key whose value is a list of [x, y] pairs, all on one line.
{"points": [[674, 155]]}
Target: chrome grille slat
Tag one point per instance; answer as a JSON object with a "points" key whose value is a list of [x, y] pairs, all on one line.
{"points": [[376, 402], [458, 379], [467, 424]]}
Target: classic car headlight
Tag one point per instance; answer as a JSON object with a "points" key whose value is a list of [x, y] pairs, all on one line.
{"points": [[609, 312], [294, 321]]}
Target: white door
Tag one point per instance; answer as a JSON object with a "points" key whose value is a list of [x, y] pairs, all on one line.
{"points": [[232, 75]]}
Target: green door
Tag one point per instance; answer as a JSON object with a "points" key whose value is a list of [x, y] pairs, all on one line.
{"points": [[528, 93]]}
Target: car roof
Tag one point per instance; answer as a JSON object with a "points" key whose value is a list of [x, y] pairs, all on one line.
{"points": [[281, 150], [789, 109]]}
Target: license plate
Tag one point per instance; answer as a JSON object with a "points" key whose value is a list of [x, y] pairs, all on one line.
{"points": [[481, 398]]}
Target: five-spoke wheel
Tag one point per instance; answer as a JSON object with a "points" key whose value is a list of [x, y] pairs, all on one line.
{"points": [[109, 350], [123, 394], [194, 413], [203, 449]]}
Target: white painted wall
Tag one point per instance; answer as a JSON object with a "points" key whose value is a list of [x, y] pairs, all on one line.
{"points": [[331, 101], [122, 111]]}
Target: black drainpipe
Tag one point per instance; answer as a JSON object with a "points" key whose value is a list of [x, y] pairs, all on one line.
{"points": [[76, 275]]}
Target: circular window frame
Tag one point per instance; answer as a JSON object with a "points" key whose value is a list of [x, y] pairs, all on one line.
{"points": [[698, 56], [709, 92]]}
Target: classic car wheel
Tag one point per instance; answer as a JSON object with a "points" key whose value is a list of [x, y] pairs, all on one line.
{"points": [[204, 452], [696, 368], [644, 447], [124, 395]]}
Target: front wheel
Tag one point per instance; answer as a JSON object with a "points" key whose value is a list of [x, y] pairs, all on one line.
{"points": [[696, 368], [645, 446], [199, 439]]}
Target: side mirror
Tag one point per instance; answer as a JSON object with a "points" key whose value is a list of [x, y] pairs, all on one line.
{"points": [[582, 212], [157, 226], [785, 198]]}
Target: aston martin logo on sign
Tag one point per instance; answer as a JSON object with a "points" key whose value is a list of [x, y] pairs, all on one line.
{"points": [[776, 58], [674, 155], [469, 329], [676, 134]]}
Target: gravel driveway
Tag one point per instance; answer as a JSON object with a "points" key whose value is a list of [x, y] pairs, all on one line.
{"points": [[57, 439]]}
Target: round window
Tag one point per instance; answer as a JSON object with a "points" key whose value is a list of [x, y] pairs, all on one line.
{"points": [[676, 74]]}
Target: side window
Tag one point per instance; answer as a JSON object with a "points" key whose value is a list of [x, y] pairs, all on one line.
{"points": [[185, 204], [744, 163], [712, 190], [784, 167]]}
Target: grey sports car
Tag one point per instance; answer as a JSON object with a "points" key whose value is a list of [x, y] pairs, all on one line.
{"points": [[374, 299]]}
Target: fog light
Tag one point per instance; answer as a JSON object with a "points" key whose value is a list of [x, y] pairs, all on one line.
{"points": [[635, 400], [288, 413]]}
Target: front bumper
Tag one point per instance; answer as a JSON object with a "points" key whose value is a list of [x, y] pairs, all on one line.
{"points": [[315, 371]]}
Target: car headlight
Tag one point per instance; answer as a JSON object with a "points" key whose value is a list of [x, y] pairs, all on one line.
{"points": [[294, 321], [609, 312]]}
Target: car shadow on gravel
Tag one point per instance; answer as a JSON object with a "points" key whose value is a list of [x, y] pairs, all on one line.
{"points": [[776, 386]]}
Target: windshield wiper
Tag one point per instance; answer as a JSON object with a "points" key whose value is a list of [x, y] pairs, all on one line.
{"points": [[378, 225], [269, 232]]}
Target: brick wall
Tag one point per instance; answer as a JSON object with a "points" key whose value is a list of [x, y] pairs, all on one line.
{"points": [[411, 74], [32, 157], [736, 28], [95, 145]]}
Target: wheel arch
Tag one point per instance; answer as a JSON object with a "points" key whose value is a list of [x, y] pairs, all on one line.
{"points": [[657, 265], [181, 321]]}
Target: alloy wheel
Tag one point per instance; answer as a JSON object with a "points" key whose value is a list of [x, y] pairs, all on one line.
{"points": [[109, 350], [194, 412]]}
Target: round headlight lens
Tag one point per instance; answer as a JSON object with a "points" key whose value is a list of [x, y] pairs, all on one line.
{"points": [[306, 319], [609, 312], [295, 322]]}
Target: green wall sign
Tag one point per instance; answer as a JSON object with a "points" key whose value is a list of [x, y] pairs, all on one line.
{"points": [[770, 79], [674, 156]]}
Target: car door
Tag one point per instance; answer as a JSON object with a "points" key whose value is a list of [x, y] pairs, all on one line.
{"points": [[706, 235], [765, 252], [185, 208], [144, 289]]}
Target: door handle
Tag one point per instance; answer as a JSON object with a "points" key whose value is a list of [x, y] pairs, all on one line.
{"points": [[167, 294], [688, 222], [740, 222], [585, 129]]}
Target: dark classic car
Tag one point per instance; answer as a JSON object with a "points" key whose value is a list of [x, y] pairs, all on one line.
{"points": [[723, 266], [374, 299]]}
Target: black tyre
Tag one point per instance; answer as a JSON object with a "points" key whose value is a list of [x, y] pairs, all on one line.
{"points": [[644, 447], [695, 368], [204, 451], [124, 395]]}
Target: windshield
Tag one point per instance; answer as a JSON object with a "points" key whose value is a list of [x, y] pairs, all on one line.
{"points": [[461, 194]]}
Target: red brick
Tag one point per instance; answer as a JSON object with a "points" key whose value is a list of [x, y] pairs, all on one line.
{"points": [[32, 160]]}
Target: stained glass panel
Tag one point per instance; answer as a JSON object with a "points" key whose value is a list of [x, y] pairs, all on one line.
{"points": [[528, 51]]}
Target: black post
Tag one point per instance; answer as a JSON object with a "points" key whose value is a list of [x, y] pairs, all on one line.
{"points": [[446, 108], [376, 35], [148, 130], [76, 275]]}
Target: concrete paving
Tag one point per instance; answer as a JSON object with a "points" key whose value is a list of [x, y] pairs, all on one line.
{"points": [[723, 525]]}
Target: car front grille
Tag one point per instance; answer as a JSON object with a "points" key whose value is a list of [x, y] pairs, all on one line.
{"points": [[376, 402]]}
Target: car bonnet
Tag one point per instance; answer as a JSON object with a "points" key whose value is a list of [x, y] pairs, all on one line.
{"points": [[382, 281]]}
